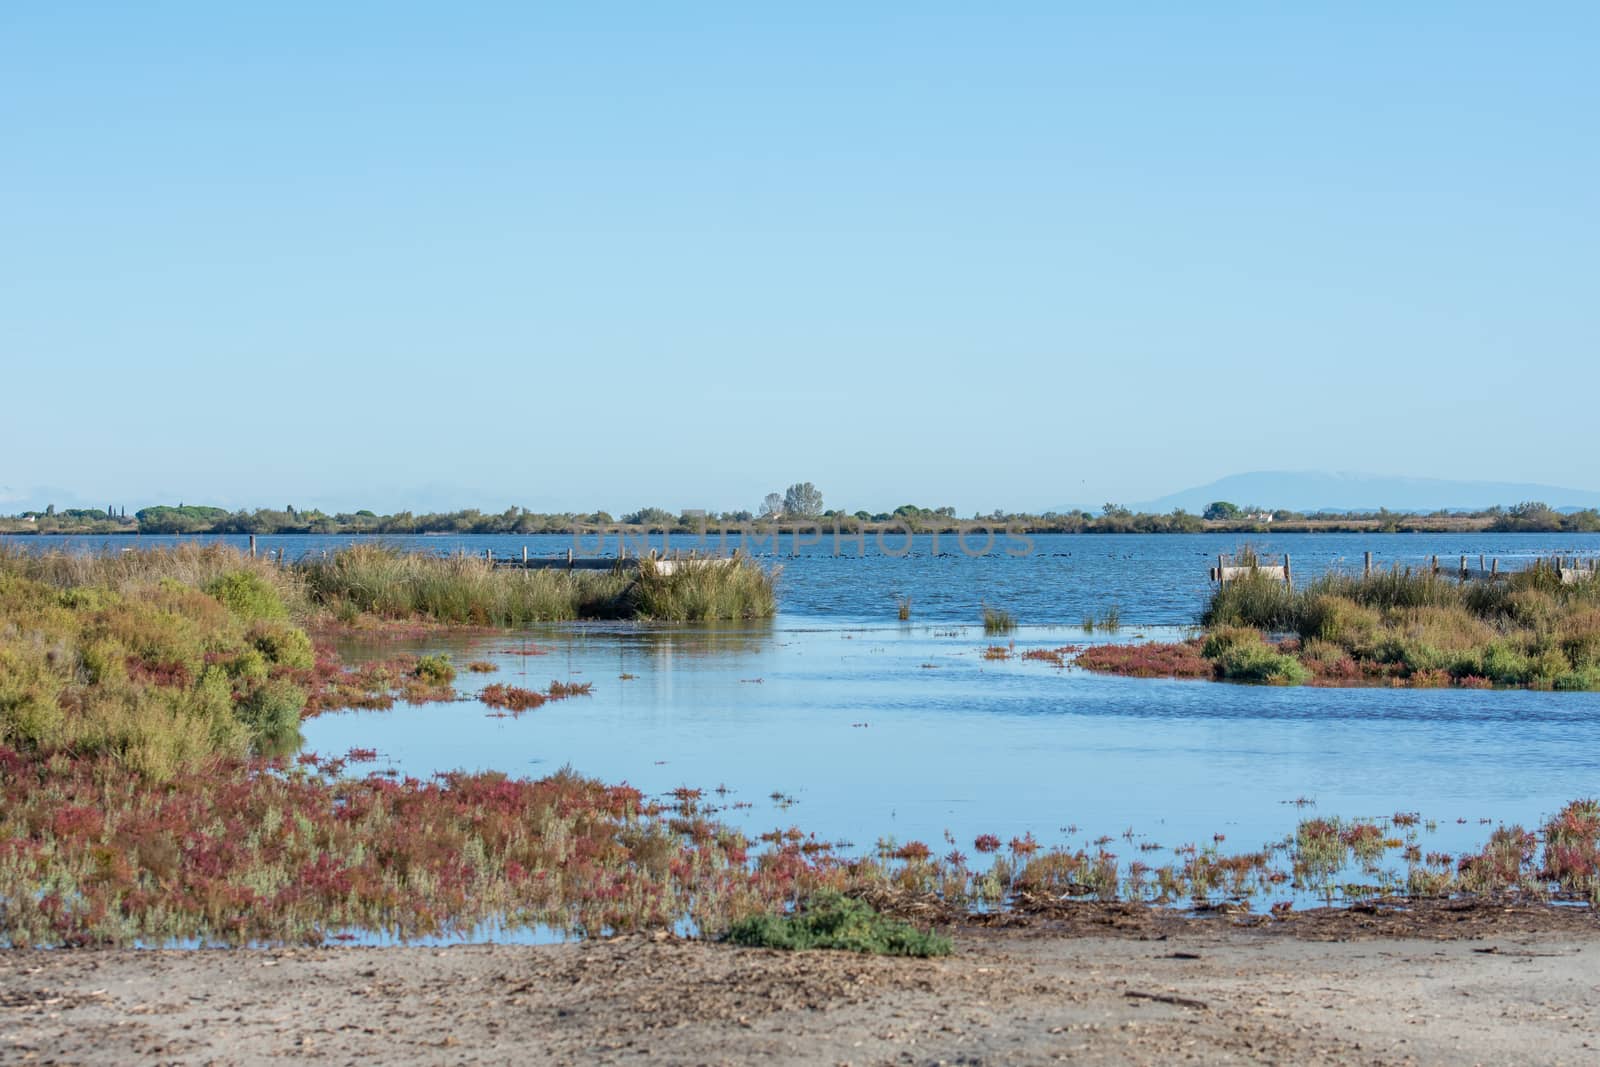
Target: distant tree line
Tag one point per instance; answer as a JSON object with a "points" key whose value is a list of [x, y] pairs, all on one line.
{"points": [[802, 503]]}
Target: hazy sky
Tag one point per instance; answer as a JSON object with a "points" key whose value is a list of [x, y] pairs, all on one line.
{"points": [[1014, 255]]}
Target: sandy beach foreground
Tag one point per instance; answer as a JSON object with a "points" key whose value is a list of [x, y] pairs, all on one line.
{"points": [[1495, 989]]}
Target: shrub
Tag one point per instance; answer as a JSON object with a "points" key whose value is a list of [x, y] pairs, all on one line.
{"points": [[272, 712], [247, 595], [830, 920], [1504, 663], [1242, 655], [435, 670], [283, 644], [1221, 641]]}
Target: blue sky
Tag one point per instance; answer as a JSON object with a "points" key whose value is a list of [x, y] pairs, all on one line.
{"points": [[1025, 255]]}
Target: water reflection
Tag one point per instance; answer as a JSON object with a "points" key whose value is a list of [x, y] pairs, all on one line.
{"points": [[909, 731]]}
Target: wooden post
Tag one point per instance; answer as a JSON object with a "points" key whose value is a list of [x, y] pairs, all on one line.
{"points": [[1288, 575], [1482, 564], [1463, 568], [1220, 571], [1494, 565], [1435, 565], [1368, 571], [569, 559], [525, 555], [252, 546], [488, 554]]}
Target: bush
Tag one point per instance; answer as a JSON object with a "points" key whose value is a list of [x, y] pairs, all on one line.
{"points": [[1243, 656], [1220, 642], [830, 920], [247, 595], [157, 675], [436, 670], [272, 712], [284, 645], [1504, 663]]}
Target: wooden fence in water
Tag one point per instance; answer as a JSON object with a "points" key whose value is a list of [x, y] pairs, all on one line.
{"points": [[1569, 569]]}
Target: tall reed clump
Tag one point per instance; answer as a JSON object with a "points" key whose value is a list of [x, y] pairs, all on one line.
{"points": [[466, 590], [379, 580], [1255, 601], [998, 620], [704, 590]]}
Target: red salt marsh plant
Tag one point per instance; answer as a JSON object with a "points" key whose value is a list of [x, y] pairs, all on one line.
{"points": [[263, 851], [1572, 848], [332, 685], [1056, 657], [272, 851], [1505, 862], [1148, 660], [516, 699], [511, 697]]}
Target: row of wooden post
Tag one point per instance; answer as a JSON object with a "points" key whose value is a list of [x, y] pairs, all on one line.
{"points": [[282, 554], [1486, 566]]}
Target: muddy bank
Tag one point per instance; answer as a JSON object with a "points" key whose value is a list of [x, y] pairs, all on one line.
{"points": [[1209, 991]]}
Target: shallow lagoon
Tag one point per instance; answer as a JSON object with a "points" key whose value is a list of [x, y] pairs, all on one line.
{"points": [[906, 730], [866, 728]]}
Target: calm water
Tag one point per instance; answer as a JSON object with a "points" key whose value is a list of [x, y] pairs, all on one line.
{"points": [[866, 727], [1154, 579], [907, 731]]}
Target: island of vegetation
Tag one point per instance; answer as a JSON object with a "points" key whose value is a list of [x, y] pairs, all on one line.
{"points": [[1529, 629]]}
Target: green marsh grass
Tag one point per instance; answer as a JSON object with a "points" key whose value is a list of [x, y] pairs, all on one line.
{"points": [[703, 590], [378, 580], [998, 621], [831, 920]]}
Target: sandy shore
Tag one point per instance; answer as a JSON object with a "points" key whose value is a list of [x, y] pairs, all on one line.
{"points": [[1197, 991]]}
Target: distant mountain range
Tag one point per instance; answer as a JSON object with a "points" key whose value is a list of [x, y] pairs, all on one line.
{"points": [[1310, 491]]}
